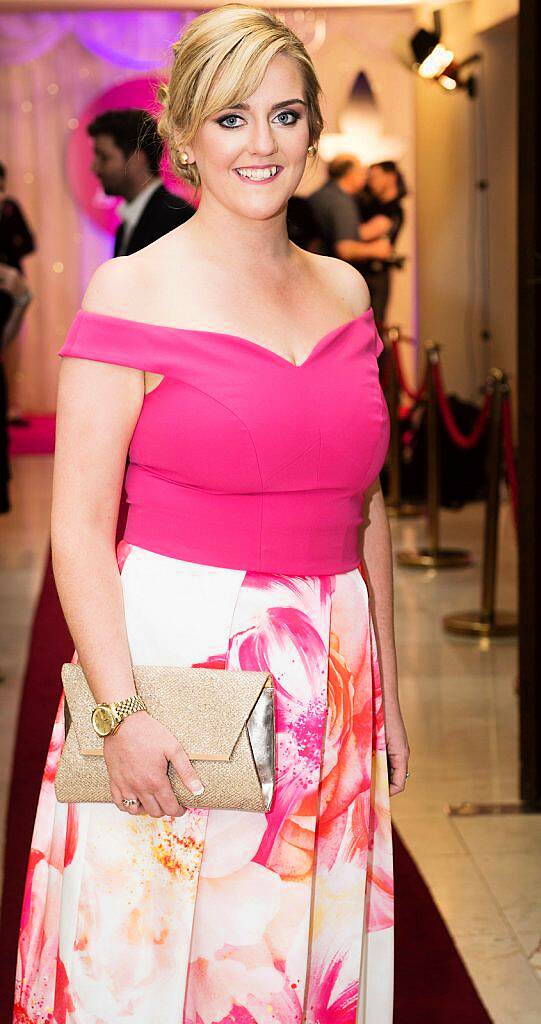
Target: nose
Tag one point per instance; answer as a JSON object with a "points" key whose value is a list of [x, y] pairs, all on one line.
{"points": [[262, 141]]}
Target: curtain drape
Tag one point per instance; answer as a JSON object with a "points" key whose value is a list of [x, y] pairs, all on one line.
{"points": [[132, 39]]}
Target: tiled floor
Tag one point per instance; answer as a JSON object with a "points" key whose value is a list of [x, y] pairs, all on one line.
{"points": [[460, 705]]}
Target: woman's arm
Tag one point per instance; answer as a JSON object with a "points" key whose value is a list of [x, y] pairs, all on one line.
{"points": [[375, 228], [97, 409], [377, 559], [98, 405], [350, 249]]}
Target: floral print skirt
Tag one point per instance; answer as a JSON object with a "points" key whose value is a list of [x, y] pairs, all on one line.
{"points": [[229, 917]]}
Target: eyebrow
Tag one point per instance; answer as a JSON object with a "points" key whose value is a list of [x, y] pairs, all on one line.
{"points": [[283, 103]]}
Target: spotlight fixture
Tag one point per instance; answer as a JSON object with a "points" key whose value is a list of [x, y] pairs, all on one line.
{"points": [[433, 60]]}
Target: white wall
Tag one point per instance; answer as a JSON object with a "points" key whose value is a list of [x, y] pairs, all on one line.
{"points": [[488, 13], [448, 257]]}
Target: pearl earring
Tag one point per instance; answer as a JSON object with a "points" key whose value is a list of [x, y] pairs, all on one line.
{"points": [[184, 158]]}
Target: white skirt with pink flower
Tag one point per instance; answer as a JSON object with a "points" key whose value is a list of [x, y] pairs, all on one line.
{"points": [[229, 917]]}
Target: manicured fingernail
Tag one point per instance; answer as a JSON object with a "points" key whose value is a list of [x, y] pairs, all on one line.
{"points": [[197, 789]]}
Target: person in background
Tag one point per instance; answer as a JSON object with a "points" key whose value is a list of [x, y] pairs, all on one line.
{"points": [[379, 203], [16, 238], [335, 208], [14, 299], [302, 226], [127, 156], [16, 242]]}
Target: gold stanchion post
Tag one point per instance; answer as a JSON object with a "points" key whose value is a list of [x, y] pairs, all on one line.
{"points": [[433, 556], [487, 621], [396, 508]]}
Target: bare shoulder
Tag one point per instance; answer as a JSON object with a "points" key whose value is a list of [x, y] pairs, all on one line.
{"points": [[114, 287], [342, 278]]}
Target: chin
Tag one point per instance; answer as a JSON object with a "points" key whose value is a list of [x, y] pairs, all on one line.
{"points": [[261, 211], [259, 206]]}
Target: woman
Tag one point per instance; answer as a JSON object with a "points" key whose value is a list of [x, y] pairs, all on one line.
{"points": [[16, 242], [241, 373], [14, 298]]}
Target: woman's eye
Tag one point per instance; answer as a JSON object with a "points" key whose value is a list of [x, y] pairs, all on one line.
{"points": [[287, 116], [284, 117], [226, 121]]}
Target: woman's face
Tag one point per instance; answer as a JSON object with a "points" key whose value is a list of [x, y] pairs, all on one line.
{"points": [[251, 156]]}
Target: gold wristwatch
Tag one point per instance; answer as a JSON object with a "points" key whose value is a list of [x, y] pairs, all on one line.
{"points": [[106, 718]]}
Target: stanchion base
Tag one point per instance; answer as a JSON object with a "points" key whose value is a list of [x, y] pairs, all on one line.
{"points": [[442, 558], [404, 510], [473, 624]]}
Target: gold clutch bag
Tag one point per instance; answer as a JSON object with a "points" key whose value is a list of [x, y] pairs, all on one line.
{"points": [[224, 719]]}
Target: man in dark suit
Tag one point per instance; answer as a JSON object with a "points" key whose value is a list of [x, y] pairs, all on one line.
{"points": [[127, 155]]}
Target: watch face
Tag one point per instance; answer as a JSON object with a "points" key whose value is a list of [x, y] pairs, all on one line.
{"points": [[103, 720]]}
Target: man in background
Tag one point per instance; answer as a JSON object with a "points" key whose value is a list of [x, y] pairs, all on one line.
{"points": [[16, 238], [127, 156], [336, 209], [15, 296], [16, 243], [380, 200]]}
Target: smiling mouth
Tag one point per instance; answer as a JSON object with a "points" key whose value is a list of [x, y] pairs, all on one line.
{"points": [[258, 173]]}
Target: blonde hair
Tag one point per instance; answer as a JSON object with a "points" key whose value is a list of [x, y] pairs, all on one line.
{"points": [[220, 60]]}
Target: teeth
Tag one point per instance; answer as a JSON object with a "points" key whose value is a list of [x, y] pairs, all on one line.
{"points": [[257, 174]]}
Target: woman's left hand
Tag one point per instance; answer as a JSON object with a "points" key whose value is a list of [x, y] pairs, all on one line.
{"points": [[398, 750]]}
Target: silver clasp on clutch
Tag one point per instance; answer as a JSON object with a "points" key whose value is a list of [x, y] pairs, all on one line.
{"points": [[260, 728]]}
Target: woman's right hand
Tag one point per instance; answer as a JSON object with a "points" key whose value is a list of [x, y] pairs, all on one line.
{"points": [[137, 756]]}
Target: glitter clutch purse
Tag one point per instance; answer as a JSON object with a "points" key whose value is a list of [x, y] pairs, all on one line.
{"points": [[223, 718]]}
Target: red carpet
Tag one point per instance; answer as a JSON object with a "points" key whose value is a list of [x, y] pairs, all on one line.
{"points": [[37, 438], [432, 985]]}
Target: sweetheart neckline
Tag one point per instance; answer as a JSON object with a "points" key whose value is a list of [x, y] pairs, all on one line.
{"points": [[236, 337]]}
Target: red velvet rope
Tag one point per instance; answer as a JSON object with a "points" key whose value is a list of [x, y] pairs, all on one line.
{"points": [[404, 337], [465, 441], [509, 455], [456, 435], [414, 395]]}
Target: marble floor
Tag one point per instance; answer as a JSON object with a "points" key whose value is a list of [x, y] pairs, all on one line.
{"points": [[460, 704]]}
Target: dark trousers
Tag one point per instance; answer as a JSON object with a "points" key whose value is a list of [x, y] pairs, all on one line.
{"points": [[378, 286], [6, 305], [5, 472]]}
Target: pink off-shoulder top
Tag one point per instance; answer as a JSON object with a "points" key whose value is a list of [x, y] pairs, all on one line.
{"points": [[241, 458]]}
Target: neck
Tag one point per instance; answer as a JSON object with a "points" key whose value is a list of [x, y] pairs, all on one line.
{"points": [[343, 184], [244, 241], [133, 189], [388, 194]]}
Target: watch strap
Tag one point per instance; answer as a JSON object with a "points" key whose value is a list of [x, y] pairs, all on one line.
{"points": [[123, 708]]}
